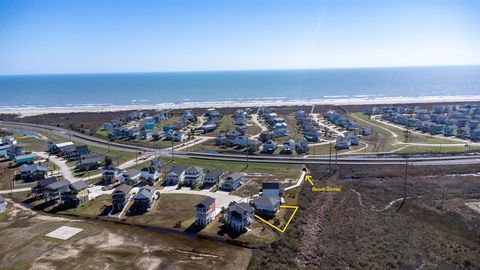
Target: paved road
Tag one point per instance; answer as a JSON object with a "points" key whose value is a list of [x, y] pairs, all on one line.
{"points": [[445, 160], [222, 198]]}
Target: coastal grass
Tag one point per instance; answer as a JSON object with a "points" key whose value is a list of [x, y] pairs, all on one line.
{"points": [[400, 132]]}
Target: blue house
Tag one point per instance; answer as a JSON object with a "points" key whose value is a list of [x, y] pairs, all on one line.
{"points": [[475, 134], [209, 127], [148, 123], [221, 140], [280, 129], [450, 130], [269, 147], [312, 135], [437, 129], [366, 131], [23, 159], [353, 139], [342, 143]]}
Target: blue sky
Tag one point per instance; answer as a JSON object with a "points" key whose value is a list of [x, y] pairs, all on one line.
{"points": [[83, 36]]}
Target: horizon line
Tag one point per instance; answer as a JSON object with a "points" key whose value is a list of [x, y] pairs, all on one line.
{"points": [[235, 70]]}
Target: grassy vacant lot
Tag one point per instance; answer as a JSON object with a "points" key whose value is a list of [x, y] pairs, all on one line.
{"points": [[365, 226], [226, 124], [286, 170], [97, 207], [292, 127], [104, 245], [168, 210]]}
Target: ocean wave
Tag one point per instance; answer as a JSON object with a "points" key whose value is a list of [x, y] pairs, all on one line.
{"points": [[260, 101]]}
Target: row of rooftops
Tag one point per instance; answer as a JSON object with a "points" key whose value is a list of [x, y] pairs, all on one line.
{"points": [[465, 110]]}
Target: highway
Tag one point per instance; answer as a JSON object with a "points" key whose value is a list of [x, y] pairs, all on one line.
{"points": [[166, 152]]}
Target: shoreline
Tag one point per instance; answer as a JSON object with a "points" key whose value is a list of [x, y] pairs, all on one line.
{"points": [[32, 111]]}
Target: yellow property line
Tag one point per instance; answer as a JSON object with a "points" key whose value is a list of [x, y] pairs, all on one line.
{"points": [[288, 222]]}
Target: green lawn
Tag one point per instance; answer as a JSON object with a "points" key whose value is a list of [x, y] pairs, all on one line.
{"points": [[287, 170], [169, 121], [92, 208], [413, 137], [226, 124], [292, 128], [444, 149]]}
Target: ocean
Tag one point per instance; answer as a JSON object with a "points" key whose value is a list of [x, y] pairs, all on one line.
{"points": [[238, 87]]}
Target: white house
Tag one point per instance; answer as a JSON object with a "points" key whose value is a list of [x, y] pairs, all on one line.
{"points": [[150, 174], [175, 175], [3, 205], [288, 146], [193, 175], [110, 174], [9, 140], [179, 136], [130, 177]]}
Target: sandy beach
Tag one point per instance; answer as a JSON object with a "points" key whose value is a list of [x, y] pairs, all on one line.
{"points": [[31, 111]]}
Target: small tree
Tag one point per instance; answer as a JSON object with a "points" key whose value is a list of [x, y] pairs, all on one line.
{"points": [[108, 161]]}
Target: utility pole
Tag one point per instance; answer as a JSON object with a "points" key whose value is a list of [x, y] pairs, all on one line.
{"points": [[330, 159], [11, 182], [248, 146], [336, 158], [405, 181]]}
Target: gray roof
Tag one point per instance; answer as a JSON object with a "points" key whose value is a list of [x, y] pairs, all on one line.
{"points": [[177, 170], [123, 188], [59, 184], [78, 185], [147, 192], [214, 174], [207, 202], [235, 175], [261, 200], [149, 169], [47, 181], [1, 199], [88, 161], [239, 208], [131, 172], [194, 169]]}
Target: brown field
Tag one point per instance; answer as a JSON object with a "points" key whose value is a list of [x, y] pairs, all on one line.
{"points": [[104, 245], [364, 227]]}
